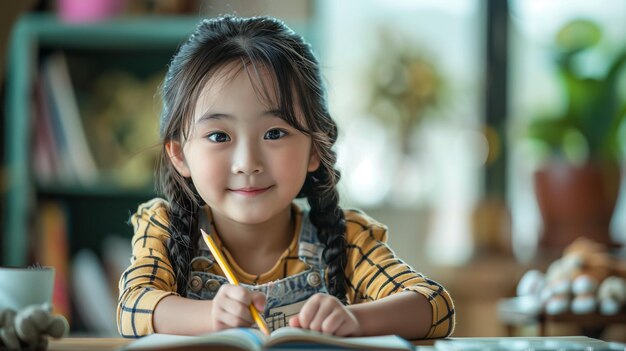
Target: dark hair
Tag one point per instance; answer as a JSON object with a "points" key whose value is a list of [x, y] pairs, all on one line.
{"points": [[269, 43]]}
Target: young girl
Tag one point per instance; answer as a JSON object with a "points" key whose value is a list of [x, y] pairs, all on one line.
{"points": [[246, 130]]}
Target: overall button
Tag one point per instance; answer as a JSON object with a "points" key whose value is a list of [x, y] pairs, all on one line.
{"points": [[195, 283], [201, 263], [314, 279], [212, 285]]}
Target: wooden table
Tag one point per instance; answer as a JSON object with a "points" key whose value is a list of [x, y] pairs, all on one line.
{"points": [[83, 344]]}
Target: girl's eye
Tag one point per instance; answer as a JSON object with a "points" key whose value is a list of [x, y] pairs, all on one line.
{"points": [[218, 137], [274, 134]]}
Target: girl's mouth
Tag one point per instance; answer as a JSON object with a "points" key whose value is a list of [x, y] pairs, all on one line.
{"points": [[250, 191]]}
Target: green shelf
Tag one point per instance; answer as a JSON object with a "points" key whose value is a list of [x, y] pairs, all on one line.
{"points": [[125, 32]]}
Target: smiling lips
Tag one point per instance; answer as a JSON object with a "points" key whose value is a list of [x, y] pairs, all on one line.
{"points": [[250, 191]]}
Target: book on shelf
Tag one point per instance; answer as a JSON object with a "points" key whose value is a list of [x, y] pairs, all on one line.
{"points": [[253, 339], [46, 160], [91, 293], [50, 162], [52, 250], [59, 106]]}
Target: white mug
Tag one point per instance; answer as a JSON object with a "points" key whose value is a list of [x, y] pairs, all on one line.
{"points": [[21, 287]]}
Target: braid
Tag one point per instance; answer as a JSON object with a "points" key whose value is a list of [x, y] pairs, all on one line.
{"points": [[182, 213], [329, 220]]}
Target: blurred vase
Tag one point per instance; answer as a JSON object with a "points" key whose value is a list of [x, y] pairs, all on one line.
{"points": [[576, 201], [82, 11]]}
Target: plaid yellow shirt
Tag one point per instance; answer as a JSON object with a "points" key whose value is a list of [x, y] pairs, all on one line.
{"points": [[373, 271]]}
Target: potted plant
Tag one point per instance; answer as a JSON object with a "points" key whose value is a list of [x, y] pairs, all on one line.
{"points": [[577, 188], [405, 85]]}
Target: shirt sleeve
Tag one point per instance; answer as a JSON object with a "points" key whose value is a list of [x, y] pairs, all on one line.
{"points": [[150, 277], [374, 272]]}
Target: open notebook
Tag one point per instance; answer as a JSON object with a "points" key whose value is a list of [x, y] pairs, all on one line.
{"points": [[252, 339]]}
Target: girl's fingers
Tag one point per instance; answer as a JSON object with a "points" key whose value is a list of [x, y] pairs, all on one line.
{"points": [[326, 314], [333, 322], [347, 329], [245, 296], [231, 321], [258, 299], [307, 313], [327, 306], [295, 322], [233, 314], [350, 325], [234, 307], [228, 306], [237, 293]]}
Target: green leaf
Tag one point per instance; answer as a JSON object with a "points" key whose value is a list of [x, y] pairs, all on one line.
{"points": [[605, 115], [549, 131], [578, 35]]}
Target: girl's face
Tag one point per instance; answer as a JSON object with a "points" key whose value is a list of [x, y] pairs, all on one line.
{"points": [[246, 162]]}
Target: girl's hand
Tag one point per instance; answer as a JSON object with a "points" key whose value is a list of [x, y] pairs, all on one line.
{"points": [[326, 314], [230, 307]]}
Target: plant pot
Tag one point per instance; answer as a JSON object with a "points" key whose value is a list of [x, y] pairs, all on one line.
{"points": [[576, 201]]}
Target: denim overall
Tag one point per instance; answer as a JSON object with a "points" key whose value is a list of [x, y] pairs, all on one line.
{"points": [[284, 297]]}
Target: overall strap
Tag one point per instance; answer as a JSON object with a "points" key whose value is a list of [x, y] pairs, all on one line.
{"points": [[309, 247]]}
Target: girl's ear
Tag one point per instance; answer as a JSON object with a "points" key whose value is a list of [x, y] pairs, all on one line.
{"points": [[175, 153], [314, 160]]}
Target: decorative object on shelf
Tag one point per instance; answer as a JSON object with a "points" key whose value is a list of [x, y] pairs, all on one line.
{"points": [[78, 11], [123, 128], [612, 295], [585, 280], [111, 139], [578, 183], [30, 327], [405, 87]]}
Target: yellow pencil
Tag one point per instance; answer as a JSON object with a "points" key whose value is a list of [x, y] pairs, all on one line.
{"points": [[232, 279]]}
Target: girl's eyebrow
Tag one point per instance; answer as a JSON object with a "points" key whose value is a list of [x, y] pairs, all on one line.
{"points": [[209, 116], [216, 116], [273, 113]]}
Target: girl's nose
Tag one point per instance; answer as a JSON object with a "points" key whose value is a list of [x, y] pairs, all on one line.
{"points": [[247, 160]]}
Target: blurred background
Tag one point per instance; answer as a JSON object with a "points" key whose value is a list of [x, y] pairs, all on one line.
{"points": [[487, 134]]}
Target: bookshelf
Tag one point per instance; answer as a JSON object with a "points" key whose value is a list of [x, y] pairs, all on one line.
{"points": [[101, 207]]}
